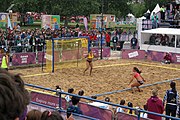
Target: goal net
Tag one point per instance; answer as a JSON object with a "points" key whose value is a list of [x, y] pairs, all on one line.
{"points": [[64, 53]]}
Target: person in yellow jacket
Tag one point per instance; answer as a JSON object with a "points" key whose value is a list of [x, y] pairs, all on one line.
{"points": [[89, 59], [4, 63]]}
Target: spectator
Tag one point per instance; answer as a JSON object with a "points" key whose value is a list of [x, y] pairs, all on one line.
{"points": [[123, 39], [144, 115], [177, 17], [154, 19], [152, 39], [58, 89], [68, 98], [119, 109], [171, 98], [167, 59], [13, 98], [166, 37], [34, 115], [47, 115], [74, 107], [162, 11], [108, 39], [172, 43], [154, 104], [69, 116], [115, 40], [107, 99], [129, 110], [81, 92], [134, 42]]}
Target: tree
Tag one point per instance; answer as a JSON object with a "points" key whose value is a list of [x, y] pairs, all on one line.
{"points": [[5, 4], [138, 9], [150, 4], [118, 7]]}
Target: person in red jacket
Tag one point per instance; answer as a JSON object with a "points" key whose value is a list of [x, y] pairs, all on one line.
{"points": [[167, 58], [154, 104], [108, 38]]}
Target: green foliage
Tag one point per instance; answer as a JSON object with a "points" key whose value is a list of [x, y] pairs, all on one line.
{"points": [[118, 7], [81, 7], [138, 9], [150, 4]]}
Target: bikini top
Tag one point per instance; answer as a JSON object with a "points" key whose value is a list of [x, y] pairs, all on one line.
{"points": [[90, 56], [136, 75]]}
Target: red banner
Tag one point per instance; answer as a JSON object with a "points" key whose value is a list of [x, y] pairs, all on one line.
{"points": [[23, 59], [124, 116]]}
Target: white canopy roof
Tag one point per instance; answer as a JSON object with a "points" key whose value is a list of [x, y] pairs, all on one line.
{"points": [[168, 31], [142, 17], [148, 11], [156, 9], [130, 15]]}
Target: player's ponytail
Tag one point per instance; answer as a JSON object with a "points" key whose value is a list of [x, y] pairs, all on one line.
{"points": [[137, 70], [173, 86]]}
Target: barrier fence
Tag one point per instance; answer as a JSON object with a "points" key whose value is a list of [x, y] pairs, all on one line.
{"points": [[59, 100], [148, 55], [37, 58]]}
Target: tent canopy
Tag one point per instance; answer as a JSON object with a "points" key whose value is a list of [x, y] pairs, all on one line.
{"points": [[130, 15], [156, 9], [168, 31], [142, 17], [148, 11]]}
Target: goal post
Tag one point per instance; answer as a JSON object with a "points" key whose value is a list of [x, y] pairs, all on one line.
{"points": [[62, 53]]}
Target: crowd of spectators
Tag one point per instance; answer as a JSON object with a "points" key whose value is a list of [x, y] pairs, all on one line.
{"points": [[163, 40], [32, 40], [169, 14], [169, 105]]}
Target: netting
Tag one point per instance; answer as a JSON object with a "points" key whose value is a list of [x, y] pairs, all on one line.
{"points": [[67, 53]]}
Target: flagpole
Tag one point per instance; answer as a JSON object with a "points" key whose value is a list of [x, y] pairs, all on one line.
{"points": [[102, 2]]}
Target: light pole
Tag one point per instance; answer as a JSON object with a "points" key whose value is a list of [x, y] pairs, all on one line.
{"points": [[102, 4]]}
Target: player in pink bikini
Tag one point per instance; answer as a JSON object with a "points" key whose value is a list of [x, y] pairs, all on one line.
{"points": [[139, 79]]}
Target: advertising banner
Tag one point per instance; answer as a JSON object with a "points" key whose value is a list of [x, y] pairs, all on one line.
{"points": [[133, 54], [23, 59], [50, 21], [46, 21], [3, 20], [155, 56]]}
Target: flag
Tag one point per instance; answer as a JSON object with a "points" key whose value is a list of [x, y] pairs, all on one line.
{"points": [[85, 23], [9, 23]]}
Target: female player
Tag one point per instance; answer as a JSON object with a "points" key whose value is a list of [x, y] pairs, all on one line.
{"points": [[139, 79], [89, 57]]}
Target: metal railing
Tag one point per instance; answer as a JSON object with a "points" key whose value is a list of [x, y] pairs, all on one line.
{"points": [[108, 103], [60, 110]]}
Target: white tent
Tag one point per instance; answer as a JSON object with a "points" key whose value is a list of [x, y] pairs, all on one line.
{"points": [[145, 35], [130, 15], [142, 18], [148, 11], [156, 9]]}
